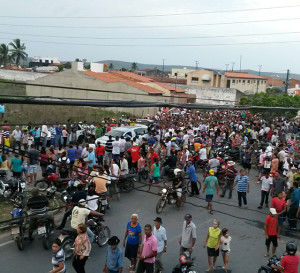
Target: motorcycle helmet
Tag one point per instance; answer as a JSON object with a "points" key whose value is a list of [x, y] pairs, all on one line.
{"points": [[177, 171], [183, 259], [291, 248]]}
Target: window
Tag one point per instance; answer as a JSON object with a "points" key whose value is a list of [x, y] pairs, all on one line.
{"points": [[240, 80], [233, 81], [244, 81], [195, 79], [248, 81]]}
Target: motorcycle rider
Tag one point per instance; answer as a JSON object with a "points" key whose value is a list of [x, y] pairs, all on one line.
{"points": [[290, 262], [78, 195], [79, 214], [37, 206], [169, 164], [178, 184]]}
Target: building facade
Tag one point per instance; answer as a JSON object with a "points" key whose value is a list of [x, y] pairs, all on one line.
{"points": [[247, 83], [180, 73], [206, 78]]}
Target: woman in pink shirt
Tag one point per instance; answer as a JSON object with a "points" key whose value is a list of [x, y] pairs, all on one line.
{"points": [[65, 135]]}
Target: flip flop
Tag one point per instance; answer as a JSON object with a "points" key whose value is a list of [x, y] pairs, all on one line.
{"points": [[267, 255]]}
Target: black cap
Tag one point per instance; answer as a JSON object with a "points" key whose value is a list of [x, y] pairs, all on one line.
{"points": [[188, 216], [158, 219], [114, 240]]}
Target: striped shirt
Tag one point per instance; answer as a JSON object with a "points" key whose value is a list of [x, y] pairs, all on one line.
{"points": [[109, 146], [242, 183], [231, 174], [57, 258], [38, 205]]}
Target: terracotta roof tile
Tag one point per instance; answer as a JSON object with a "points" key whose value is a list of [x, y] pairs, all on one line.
{"points": [[127, 77], [242, 75], [170, 87]]}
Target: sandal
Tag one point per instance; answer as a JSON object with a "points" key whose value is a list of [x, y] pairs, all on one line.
{"points": [[211, 212], [267, 255]]}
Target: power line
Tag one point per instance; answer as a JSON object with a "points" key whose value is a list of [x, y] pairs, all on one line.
{"points": [[162, 45], [153, 38], [158, 26], [147, 15]]}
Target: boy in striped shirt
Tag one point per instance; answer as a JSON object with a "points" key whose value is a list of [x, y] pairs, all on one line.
{"points": [[242, 182]]}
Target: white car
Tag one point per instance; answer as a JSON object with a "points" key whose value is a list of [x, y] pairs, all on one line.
{"points": [[138, 131]]}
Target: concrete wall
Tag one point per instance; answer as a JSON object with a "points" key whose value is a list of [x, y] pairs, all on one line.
{"points": [[250, 86], [214, 96], [79, 80], [23, 76], [181, 73], [206, 78]]}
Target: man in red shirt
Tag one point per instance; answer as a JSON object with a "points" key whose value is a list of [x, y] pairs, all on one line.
{"points": [[135, 155], [270, 228], [152, 155], [279, 204], [100, 149], [290, 262]]}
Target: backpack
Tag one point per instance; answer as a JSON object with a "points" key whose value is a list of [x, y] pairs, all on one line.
{"points": [[63, 168]]}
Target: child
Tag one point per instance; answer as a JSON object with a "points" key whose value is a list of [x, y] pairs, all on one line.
{"points": [[225, 246], [212, 242], [58, 259]]}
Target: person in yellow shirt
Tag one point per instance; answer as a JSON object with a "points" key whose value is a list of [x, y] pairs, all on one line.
{"points": [[197, 146], [212, 242]]}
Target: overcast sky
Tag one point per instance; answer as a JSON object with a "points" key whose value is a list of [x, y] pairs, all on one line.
{"points": [[274, 57]]}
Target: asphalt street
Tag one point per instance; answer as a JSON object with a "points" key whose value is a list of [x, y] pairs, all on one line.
{"points": [[245, 227]]}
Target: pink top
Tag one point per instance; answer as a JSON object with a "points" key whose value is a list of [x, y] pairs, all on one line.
{"points": [[149, 246], [141, 163], [82, 245], [64, 133]]}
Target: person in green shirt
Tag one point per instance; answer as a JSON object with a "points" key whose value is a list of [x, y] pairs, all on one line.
{"points": [[212, 242], [211, 188], [16, 166], [99, 131]]}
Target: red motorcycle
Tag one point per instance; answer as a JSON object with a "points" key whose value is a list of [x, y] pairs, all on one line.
{"points": [[52, 179]]}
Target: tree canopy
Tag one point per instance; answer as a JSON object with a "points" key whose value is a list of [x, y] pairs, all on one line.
{"points": [[270, 100]]}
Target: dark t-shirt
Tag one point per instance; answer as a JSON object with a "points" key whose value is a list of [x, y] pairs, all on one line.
{"points": [[278, 185], [33, 156], [172, 161], [38, 204], [78, 195]]}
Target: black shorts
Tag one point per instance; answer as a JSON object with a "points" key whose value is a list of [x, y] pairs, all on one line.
{"points": [[273, 239], [211, 252], [131, 251], [247, 165]]}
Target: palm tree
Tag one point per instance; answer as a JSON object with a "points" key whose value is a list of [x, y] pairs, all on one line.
{"points": [[18, 51], [4, 54]]}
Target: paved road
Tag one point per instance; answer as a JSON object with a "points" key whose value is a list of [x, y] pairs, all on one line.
{"points": [[246, 229]]}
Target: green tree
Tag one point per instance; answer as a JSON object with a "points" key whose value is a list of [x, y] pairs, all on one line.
{"points": [[77, 60], [60, 67], [4, 55], [123, 69], [134, 67], [67, 65], [17, 52], [111, 66]]}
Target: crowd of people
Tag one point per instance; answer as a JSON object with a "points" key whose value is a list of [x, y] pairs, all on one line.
{"points": [[177, 144]]}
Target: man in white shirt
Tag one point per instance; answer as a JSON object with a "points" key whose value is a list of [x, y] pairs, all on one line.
{"points": [[17, 135], [116, 149], [123, 165], [203, 152], [160, 233], [44, 135], [122, 145]]}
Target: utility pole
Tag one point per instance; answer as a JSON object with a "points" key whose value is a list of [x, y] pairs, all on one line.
{"points": [[163, 70], [226, 66], [232, 66], [197, 62], [287, 81], [259, 69], [241, 63]]}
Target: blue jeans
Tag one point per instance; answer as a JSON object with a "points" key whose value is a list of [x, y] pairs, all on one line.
{"points": [[90, 235], [58, 140], [52, 141]]}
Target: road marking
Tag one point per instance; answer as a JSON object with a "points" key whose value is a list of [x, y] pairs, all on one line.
{"points": [[6, 243]]}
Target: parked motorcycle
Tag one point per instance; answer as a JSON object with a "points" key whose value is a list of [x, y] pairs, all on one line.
{"points": [[274, 260], [52, 179], [185, 264], [71, 189], [126, 182], [94, 223], [169, 196], [19, 225], [44, 228], [13, 189]]}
